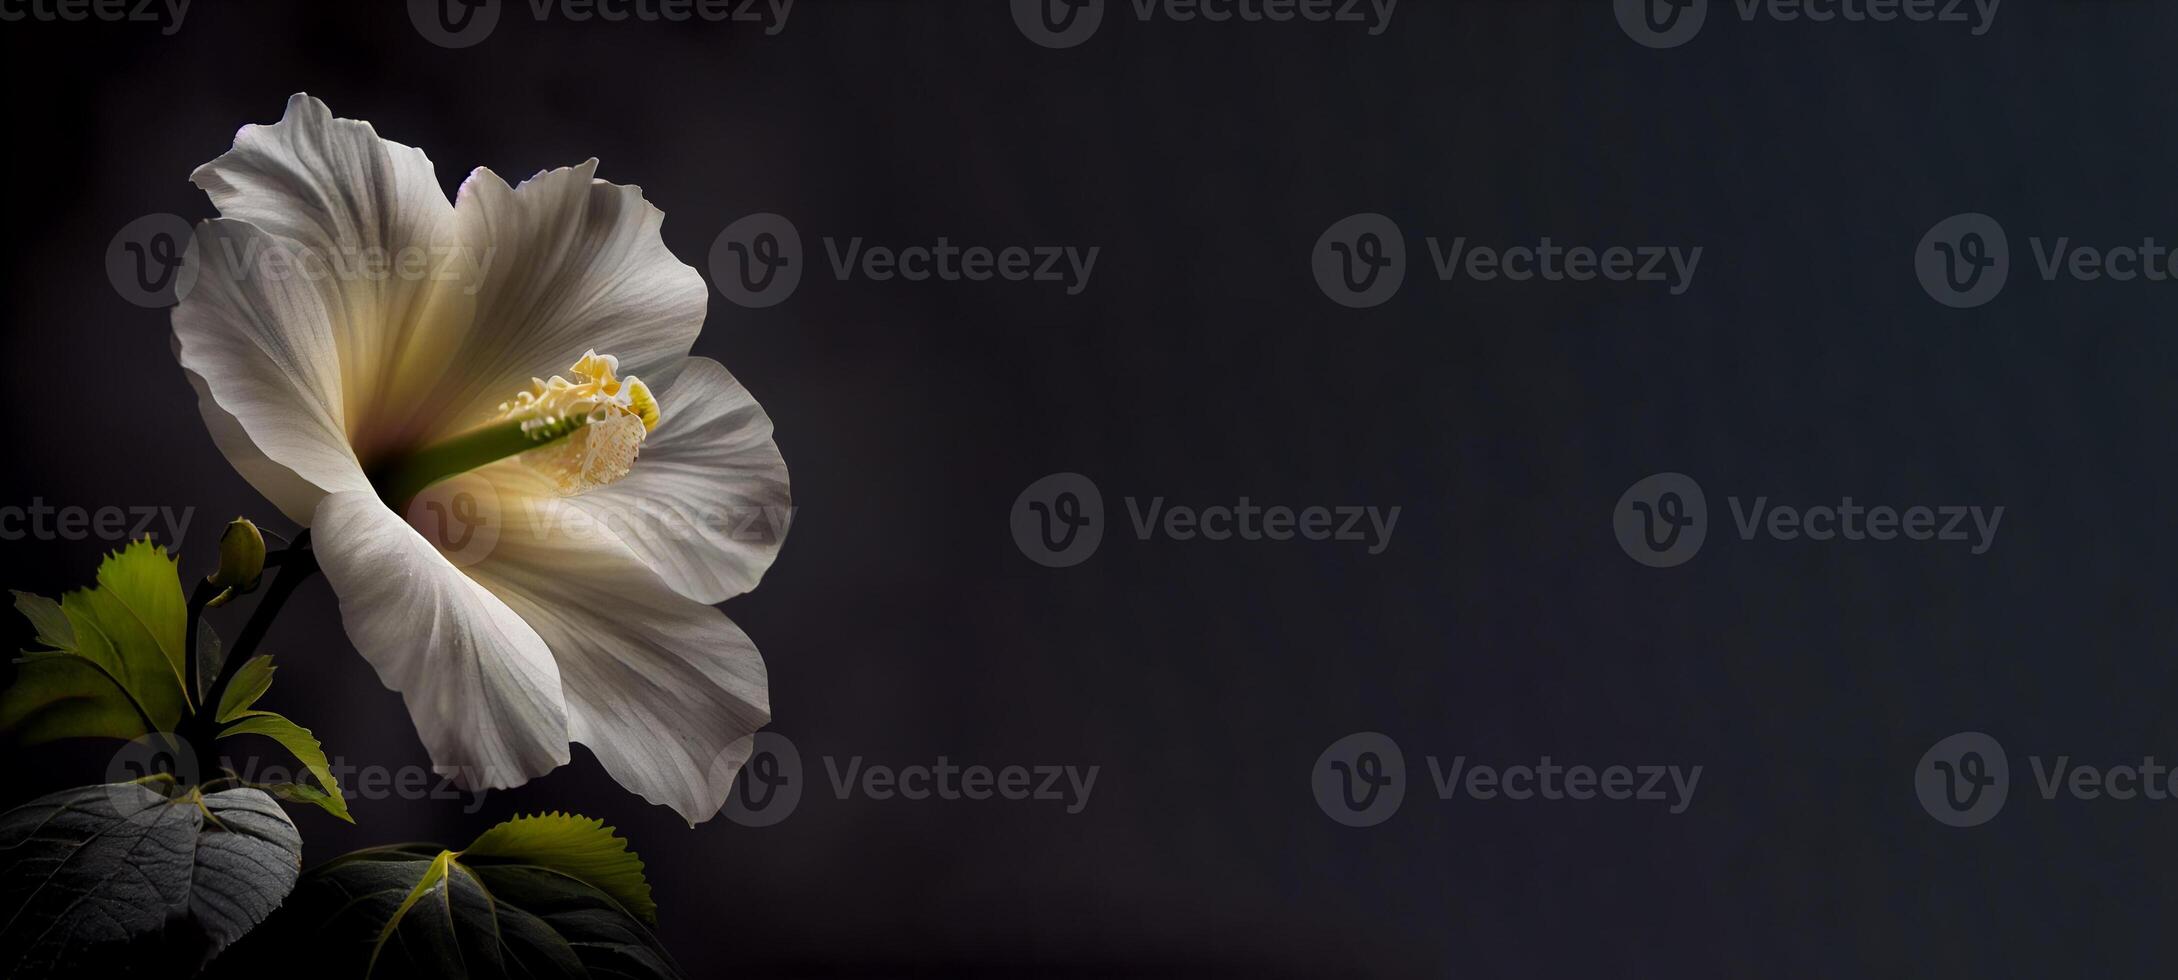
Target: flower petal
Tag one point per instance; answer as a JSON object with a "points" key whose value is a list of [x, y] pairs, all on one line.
{"points": [[323, 181], [659, 686], [567, 264], [482, 688], [367, 215], [261, 347], [293, 495], [707, 505]]}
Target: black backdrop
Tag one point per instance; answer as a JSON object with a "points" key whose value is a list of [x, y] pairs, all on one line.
{"points": [[1202, 363]]}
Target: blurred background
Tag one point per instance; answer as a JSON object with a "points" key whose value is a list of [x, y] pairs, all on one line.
{"points": [[1202, 363]]}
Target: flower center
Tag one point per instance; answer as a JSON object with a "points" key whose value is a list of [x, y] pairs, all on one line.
{"points": [[588, 430], [581, 432]]}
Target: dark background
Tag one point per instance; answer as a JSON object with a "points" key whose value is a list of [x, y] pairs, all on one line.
{"points": [[1203, 364]]}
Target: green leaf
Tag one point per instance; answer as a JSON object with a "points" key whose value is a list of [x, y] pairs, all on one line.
{"points": [[249, 683], [530, 898], [578, 847], [299, 741], [107, 877], [144, 580], [57, 696], [126, 633], [46, 617], [304, 793]]}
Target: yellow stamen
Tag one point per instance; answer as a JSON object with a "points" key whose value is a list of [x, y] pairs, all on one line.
{"points": [[582, 432], [591, 426]]}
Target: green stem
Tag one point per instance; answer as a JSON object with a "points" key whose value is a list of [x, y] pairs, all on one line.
{"points": [[296, 563], [205, 593], [424, 467]]}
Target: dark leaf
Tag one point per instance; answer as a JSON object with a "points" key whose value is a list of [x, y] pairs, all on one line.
{"points": [[101, 874], [531, 898]]}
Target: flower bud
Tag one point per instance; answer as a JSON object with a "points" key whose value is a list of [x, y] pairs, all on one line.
{"points": [[241, 556]]}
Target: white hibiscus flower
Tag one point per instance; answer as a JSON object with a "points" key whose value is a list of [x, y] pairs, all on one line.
{"points": [[354, 337]]}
